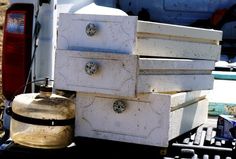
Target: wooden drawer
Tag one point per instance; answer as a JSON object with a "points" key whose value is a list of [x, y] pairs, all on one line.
{"points": [[129, 75], [88, 72], [115, 34], [151, 119], [127, 35]]}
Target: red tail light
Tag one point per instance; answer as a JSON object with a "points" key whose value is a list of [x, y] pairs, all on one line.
{"points": [[17, 46]]}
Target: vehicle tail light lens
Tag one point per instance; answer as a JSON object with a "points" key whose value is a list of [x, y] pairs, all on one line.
{"points": [[15, 23], [17, 47]]}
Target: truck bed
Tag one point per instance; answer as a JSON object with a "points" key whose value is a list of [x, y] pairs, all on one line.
{"points": [[196, 143]]}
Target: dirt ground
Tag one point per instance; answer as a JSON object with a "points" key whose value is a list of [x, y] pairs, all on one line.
{"points": [[3, 6]]}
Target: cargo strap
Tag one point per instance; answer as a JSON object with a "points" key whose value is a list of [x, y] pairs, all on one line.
{"points": [[43, 122]]}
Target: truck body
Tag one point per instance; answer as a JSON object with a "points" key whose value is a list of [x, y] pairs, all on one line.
{"points": [[48, 37]]}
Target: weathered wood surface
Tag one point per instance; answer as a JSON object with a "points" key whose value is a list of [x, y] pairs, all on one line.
{"points": [[116, 74], [128, 75], [125, 34], [146, 120], [166, 40], [114, 33]]}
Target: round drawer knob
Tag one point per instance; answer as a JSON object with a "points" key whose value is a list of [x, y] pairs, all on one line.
{"points": [[91, 29], [119, 106], [91, 68]]}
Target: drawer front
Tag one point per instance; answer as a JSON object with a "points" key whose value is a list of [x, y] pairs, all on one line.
{"points": [[100, 73], [143, 121], [146, 120], [97, 33]]}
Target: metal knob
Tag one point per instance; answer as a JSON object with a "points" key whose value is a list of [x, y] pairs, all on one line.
{"points": [[91, 68], [119, 106], [91, 29]]}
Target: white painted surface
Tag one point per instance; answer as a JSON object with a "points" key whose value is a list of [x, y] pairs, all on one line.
{"points": [[179, 31], [45, 53], [71, 6], [176, 49], [187, 118], [118, 34], [169, 83], [187, 97], [146, 119], [128, 75], [175, 64], [100, 10], [116, 75], [165, 40], [114, 34]]}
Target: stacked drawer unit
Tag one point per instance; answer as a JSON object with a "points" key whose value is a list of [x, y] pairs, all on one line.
{"points": [[136, 81]]}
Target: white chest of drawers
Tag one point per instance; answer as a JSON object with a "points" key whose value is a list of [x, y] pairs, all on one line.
{"points": [[128, 76]]}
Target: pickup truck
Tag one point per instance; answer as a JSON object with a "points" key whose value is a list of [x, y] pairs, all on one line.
{"points": [[46, 39]]}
